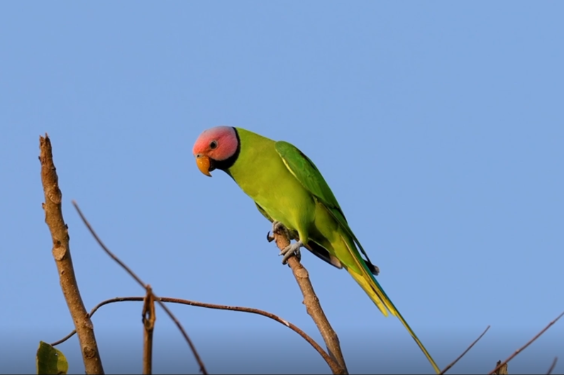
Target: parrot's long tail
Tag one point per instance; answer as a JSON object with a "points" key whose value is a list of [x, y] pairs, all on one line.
{"points": [[379, 297]]}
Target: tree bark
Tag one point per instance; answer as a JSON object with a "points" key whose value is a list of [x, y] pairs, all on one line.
{"points": [[63, 260]]}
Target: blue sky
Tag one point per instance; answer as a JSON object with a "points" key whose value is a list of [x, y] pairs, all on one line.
{"points": [[438, 125]]}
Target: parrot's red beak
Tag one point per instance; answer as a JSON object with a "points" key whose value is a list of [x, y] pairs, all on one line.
{"points": [[204, 164]]}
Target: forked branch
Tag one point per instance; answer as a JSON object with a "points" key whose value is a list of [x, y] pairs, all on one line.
{"points": [[145, 286]]}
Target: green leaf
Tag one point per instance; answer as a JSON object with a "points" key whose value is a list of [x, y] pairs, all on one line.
{"points": [[50, 360]]}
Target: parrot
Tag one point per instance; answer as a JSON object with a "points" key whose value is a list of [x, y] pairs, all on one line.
{"points": [[290, 191]]}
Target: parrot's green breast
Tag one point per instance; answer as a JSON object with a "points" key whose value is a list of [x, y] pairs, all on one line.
{"points": [[261, 174]]}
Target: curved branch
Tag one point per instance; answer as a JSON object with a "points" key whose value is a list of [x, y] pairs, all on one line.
{"points": [[313, 307], [464, 352], [169, 313], [527, 344], [62, 255], [250, 310]]}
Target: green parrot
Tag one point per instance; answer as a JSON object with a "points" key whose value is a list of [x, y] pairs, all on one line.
{"points": [[288, 189]]}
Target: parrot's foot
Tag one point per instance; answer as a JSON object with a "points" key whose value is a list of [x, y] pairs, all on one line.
{"points": [[276, 226], [292, 249]]}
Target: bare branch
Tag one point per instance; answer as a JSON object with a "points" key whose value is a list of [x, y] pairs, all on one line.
{"points": [[464, 352], [169, 313], [313, 307], [552, 366], [62, 255], [527, 344], [250, 310], [149, 319]]}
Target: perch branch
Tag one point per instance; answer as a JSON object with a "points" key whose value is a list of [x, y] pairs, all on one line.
{"points": [[464, 352], [166, 309], [525, 346], [313, 307], [250, 310], [63, 260], [148, 319]]}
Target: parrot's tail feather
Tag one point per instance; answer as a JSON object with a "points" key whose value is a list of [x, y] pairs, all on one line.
{"points": [[380, 303], [384, 304], [435, 367]]}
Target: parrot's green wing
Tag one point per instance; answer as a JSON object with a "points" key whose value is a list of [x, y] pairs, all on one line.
{"points": [[305, 171]]}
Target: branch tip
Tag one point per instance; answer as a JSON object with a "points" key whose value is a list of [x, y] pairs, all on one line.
{"points": [[552, 366], [499, 365], [464, 352]]}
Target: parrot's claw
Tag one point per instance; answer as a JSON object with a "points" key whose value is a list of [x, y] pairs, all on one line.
{"points": [[292, 249], [269, 237]]}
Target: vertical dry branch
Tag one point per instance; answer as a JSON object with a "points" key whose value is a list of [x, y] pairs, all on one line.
{"points": [[62, 255], [313, 307], [149, 318]]}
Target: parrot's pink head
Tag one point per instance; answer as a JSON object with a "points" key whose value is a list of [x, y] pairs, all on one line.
{"points": [[216, 148]]}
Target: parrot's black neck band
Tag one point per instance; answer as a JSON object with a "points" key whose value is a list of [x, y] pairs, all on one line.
{"points": [[224, 165]]}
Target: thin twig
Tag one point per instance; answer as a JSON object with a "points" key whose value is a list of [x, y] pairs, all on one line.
{"points": [[464, 352], [62, 255], [112, 255], [148, 319], [552, 366], [527, 344], [169, 313], [267, 314], [313, 307]]}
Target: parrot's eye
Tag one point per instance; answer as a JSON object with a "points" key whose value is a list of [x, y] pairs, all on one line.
{"points": [[213, 144]]}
